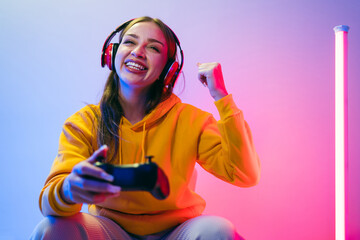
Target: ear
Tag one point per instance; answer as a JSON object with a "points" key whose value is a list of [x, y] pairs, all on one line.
{"points": [[172, 73]]}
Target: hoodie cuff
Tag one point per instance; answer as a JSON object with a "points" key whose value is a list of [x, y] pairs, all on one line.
{"points": [[227, 107]]}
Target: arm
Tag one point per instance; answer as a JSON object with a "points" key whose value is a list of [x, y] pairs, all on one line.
{"points": [[226, 148], [66, 188]]}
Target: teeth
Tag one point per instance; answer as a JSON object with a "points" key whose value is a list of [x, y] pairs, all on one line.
{"points": [[135, 66]]}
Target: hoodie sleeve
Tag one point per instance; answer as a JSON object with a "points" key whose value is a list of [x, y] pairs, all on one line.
{"points": [[75, 145], [226, 148]]}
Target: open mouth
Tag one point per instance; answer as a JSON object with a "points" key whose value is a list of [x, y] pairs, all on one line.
{"points": [[135, 66]]}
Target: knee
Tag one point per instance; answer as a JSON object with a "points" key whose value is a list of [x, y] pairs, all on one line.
{"points": [[219, 227], [213, 227], [52, 227]]}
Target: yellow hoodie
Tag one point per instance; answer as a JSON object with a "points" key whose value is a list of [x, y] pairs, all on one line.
{"points": [[178, 135]]}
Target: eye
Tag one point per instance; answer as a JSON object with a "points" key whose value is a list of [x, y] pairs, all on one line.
{"points": [[156, 49], [128, 42]]}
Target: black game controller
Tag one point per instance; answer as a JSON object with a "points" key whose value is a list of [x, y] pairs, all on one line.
{"points": [[139, 177]]}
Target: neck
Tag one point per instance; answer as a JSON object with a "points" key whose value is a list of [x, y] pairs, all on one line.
{"points": [[133, 103]]}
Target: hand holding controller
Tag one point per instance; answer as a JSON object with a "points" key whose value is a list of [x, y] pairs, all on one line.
{"points": [[139, 177]]}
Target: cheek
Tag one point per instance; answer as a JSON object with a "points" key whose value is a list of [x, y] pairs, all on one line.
{"points": [[160, 65], [118, 61]]}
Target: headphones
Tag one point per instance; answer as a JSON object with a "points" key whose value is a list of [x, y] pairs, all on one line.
{"points": [[171, 70]]}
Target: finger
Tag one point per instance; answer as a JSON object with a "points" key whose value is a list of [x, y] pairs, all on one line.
{"points": [[99, 154], [98, 198], [81, 194], [81, 184], [91, 198], [86, 169], [202, 67], [207, 65]]}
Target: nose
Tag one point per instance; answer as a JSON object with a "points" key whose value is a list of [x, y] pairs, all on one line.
{"points": [[138, 52]]}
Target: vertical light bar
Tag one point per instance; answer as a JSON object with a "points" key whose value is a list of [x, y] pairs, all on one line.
{"points": [[341, 154]]}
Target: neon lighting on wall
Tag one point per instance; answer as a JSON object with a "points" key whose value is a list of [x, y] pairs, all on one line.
{"points": [[341, 154]]}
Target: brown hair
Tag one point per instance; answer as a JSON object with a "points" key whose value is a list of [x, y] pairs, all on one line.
{"points": [[110, 107]]}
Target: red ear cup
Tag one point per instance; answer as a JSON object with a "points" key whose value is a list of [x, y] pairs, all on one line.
{"points": [[172, 73], [109, 55]]}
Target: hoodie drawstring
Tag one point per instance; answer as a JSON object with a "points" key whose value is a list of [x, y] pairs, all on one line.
{"points": [[143, 144], [120, 139]]}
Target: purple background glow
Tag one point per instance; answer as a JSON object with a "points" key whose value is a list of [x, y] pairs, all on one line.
{"points": [[278, 62]]}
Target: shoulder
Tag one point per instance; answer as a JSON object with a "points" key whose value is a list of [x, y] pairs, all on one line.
{"points": [[87, 115], [189, 107], [191, 113], [173, 106]]}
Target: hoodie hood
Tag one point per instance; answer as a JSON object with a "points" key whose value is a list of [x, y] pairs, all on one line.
{"points": [[157, 114]]}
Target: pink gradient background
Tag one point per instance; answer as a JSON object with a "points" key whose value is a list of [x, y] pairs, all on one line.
{"points": [[278, 62]]}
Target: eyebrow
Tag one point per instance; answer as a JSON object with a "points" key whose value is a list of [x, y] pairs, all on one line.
{"points": [[150, 39]]}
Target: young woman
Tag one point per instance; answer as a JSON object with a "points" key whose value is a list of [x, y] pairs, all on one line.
{"points": [[138, 116]]}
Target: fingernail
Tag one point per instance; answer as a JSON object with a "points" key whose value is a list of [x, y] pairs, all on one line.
{"points": [[102, 152], [114, 189], [103, 147]]}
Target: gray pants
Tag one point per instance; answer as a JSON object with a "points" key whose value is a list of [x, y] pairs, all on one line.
{"points": [[86, 226]]}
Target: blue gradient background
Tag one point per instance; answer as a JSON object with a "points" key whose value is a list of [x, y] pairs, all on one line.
{"points": [[278, 62]]}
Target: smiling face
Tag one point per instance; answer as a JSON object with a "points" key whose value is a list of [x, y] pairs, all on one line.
{"points": [[141, 56]]}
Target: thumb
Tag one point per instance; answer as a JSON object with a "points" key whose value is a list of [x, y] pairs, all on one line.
{"points": [[99, 155]]}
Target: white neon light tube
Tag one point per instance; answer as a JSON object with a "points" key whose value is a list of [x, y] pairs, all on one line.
{"points": [[341, 153]]}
